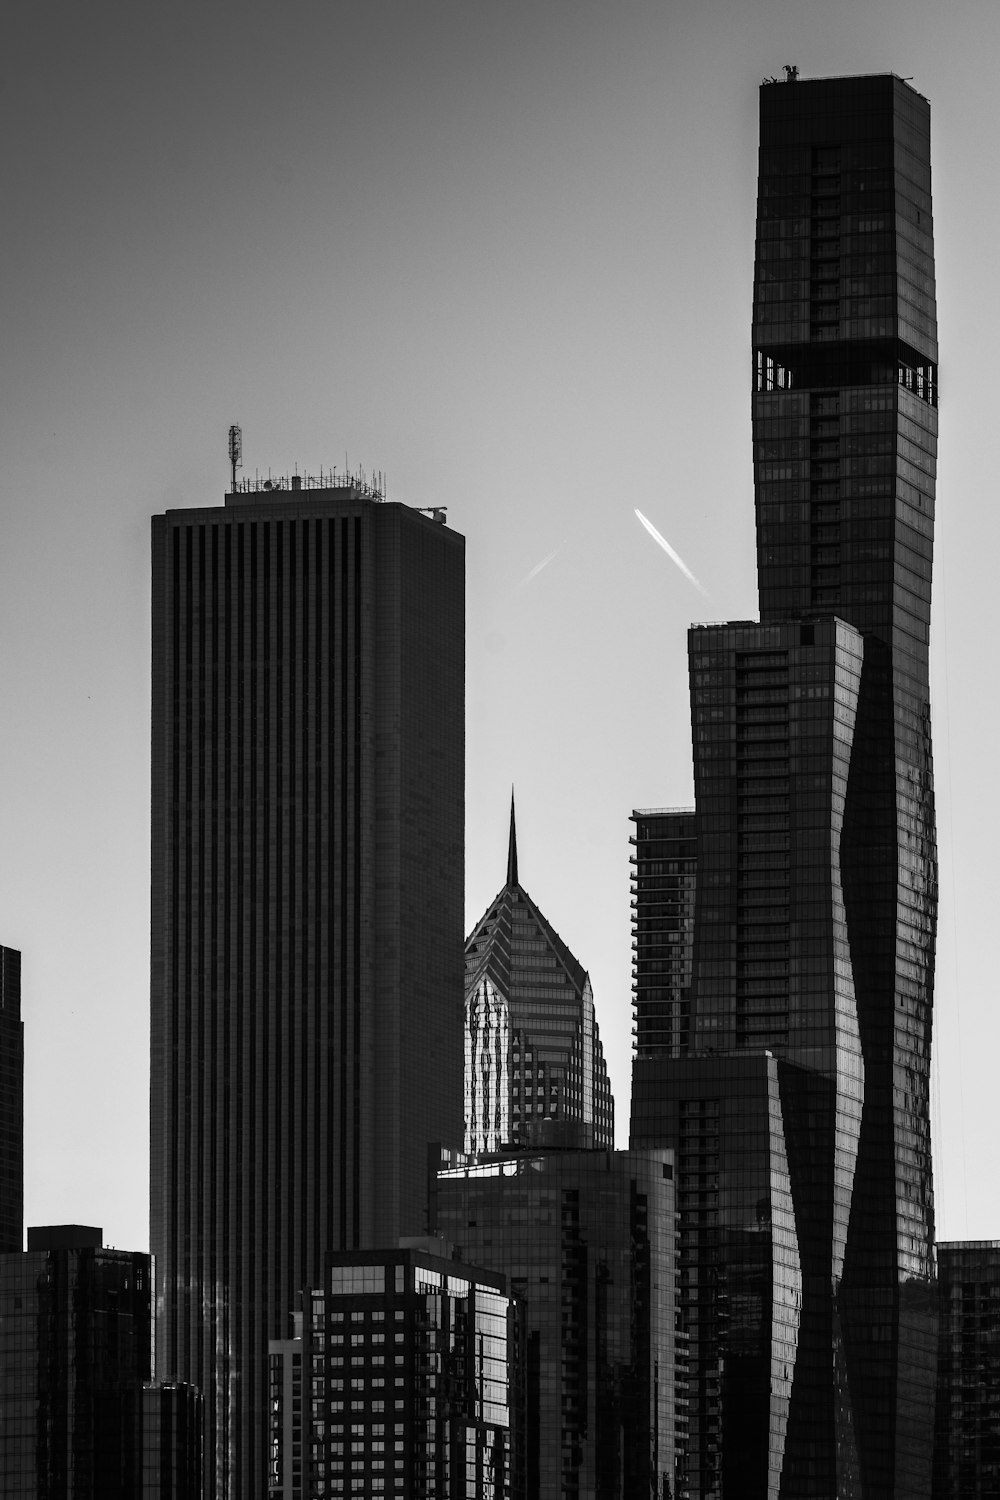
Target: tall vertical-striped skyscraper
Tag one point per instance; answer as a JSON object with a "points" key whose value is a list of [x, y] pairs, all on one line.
{"points": [[790, 1060], [307, 918]]}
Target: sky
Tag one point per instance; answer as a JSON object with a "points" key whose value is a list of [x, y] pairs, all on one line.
{"points": [[502, 252]]}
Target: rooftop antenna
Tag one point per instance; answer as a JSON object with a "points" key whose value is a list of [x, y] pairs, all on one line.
{"points": [[235, 451]]}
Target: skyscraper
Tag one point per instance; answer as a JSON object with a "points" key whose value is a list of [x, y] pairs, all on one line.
{"points": [[11, 1103], [170, 1419], [664, 882], [534, 1064], [75, 1351], [588, 1240], [811, 953], [307, 890], [413, 1368], [967, 1426]]}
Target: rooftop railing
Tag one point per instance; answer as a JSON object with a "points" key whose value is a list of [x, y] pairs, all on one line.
{"points": [[372, 487]]}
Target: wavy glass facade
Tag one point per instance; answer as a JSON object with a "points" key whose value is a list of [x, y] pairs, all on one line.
{"points": [[307, 896], [816, 879], [740, 1264], [534, 1063]]}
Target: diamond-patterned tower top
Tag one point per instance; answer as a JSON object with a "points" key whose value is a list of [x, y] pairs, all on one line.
{"points": [[535, 1072]]}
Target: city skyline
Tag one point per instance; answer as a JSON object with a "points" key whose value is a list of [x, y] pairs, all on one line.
{"points": [[589, 367]]}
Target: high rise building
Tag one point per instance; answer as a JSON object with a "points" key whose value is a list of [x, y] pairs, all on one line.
{"points": [[588, 1241], [75, 1350], [534, 1064], [289, 1418], [307, 892], [409, 1371], [11, 1103], [664, 881], [967, 1426], [170, 1419], [787, 1059], [79, 1419]]}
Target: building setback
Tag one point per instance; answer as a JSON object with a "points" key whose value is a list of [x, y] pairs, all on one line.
{"points": [[808, 996], [307, 890], [534, 1064], [587, 1240]]}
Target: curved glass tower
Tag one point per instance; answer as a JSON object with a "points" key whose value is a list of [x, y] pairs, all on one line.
{"points": [[809, 1245], [845, 433]]}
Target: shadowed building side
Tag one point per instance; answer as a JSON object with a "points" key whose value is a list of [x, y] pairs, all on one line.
{"points": [[75, 1353], [845, 432], [967, 1423], [11, 1103], [307, 890]]}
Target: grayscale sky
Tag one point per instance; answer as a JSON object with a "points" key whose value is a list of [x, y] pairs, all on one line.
{"points": [[503, 252]]}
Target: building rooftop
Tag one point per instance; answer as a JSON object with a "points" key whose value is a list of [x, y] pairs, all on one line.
{"points": [[372, 487]]}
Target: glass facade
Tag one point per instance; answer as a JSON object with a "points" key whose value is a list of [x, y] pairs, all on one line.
{"points": [[587, 1239], [967, 1426], [740, 1281], [814, 866], [172, 1455], [307, 915], [75, 1351], [534, 1063], [407, 1368]]}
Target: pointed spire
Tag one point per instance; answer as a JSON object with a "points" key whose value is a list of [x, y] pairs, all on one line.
{"points": [[512, 846]]}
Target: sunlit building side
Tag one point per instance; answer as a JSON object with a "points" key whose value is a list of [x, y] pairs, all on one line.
{"points": [[535, 1071], [403, 1378]]}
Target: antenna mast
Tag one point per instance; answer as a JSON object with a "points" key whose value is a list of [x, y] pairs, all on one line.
{"points": [[235, 451]]}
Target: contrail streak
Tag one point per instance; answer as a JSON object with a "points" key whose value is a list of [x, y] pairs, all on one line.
{"points": [[539, 566], [674, 557]]}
